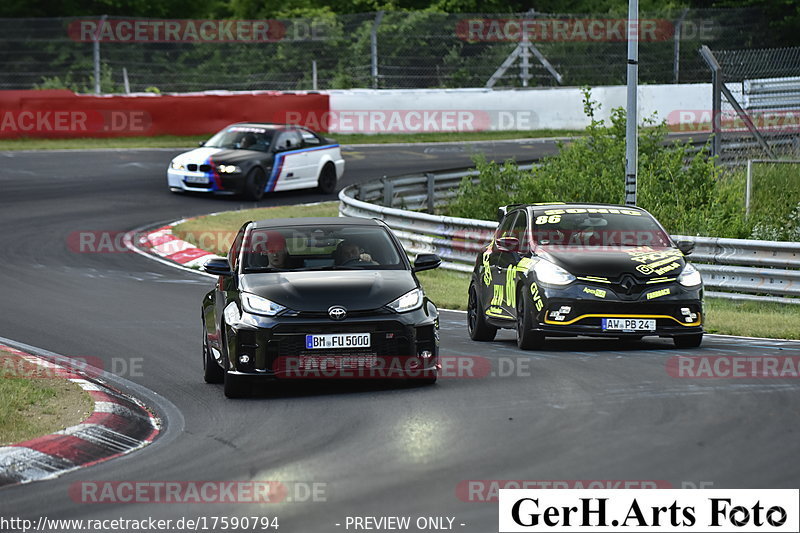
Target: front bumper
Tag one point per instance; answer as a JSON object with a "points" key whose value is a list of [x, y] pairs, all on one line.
{"points": [[580, 310], [209, 182], [402, 346]]}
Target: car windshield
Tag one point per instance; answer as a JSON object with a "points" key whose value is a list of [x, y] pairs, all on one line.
{"points": [[242, 138], [321, 247], [597, 227]]}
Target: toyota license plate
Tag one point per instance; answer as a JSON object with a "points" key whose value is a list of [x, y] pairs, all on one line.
{"points": [[338, 340], [629, 324]]}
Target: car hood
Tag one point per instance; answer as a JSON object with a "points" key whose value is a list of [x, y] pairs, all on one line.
{"points": [[220, 155], [355, 290], [614, 261]]}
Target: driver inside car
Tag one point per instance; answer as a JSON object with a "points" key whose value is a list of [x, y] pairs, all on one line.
{"points": [[273, 252], [349, 252], [247, 142]]}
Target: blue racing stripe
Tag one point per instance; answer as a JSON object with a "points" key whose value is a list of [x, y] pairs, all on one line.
{"points": [[277, 165]]}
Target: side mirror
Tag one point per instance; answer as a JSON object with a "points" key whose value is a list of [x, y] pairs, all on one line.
{"points": [[218, 266], [426, 262], [201, 143], [507, 244], [685, 246]]}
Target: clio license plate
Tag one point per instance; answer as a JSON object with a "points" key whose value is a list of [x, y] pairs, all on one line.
{"points": [[629, 324]]}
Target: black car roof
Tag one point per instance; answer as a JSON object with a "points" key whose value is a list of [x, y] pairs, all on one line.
{"points": [[316, 221], [570, 205]]}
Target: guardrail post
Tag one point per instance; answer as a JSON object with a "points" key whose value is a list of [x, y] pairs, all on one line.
{"points": [[388, 191], [431, 181]]}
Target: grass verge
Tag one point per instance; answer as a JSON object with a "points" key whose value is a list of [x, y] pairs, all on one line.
{"points": [[90, 143], [178, 141], [449, 289], [35, 404], [752, 319]]}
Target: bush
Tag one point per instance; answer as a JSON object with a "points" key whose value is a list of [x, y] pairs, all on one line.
{"points": [[775, 201], [683, 190], [497, 186]]}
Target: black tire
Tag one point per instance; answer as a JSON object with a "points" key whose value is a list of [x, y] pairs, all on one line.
{"points": [[527, 339], [326, 184], [424, 381], [478, 329], [688, 341], [255, 184], [212, 372]]}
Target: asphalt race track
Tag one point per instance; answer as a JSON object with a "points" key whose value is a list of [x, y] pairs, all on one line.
{"points": [[582, 410]]}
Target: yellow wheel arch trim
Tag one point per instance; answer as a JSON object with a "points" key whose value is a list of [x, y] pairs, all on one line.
{"points": [[568, 322]]}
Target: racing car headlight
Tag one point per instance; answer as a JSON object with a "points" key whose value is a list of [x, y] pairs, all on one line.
{"points": [[260, 306], [410, 300], [690, 276], [177, 166], [552, 274], [229, 169]]}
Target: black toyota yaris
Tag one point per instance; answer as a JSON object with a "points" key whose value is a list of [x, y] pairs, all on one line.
{"points": [[318, 298]]}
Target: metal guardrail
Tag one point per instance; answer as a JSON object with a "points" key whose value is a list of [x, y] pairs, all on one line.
{"points": [[771, 94], [735, 269]]}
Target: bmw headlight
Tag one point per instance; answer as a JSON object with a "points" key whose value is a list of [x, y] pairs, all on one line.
{"points": [[260, 306], [690, 277], [552, 274], [177, 166], [407, 302], [229, 169]]}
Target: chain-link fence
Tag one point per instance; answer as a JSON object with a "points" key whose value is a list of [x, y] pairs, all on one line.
{"points": [[383, 50], [756, 98]]}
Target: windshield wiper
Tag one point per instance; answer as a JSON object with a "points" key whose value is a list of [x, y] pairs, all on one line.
{"points": [[250, 270], [332, 267]]}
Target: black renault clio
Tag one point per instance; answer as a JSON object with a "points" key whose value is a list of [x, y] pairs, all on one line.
{"points": [[556, 270], [318, 298]]}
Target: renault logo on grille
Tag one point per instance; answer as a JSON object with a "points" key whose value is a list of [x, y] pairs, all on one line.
{"points": [[627, 282], [337, 312]]}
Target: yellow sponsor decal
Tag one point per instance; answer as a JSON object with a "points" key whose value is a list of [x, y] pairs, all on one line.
{"points": [[487, 272], [525, 264], [660, 280], [600, 293], [645, 254], [603, 210], [537, 298], [595, 279], [511, 293], [497, 312], [662, 262], [655, 262], [656, 294], [497, 297], [647, 270]]}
